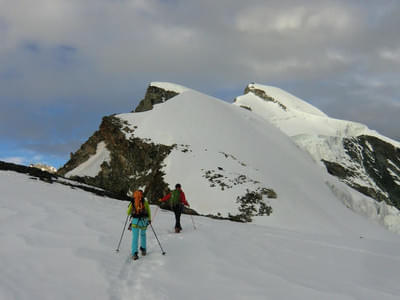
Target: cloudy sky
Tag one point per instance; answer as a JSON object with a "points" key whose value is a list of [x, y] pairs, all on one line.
{"points": [[64, 64]]}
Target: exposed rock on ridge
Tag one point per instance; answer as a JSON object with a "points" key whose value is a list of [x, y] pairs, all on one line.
{"points": [[134, 163], [154, 95], [263, 95]]}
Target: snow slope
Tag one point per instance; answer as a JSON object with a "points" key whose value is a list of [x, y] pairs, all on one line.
{"points": [[59, 243], [218, 134]]}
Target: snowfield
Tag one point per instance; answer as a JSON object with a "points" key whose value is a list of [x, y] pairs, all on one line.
{"points": [[59, 243]]}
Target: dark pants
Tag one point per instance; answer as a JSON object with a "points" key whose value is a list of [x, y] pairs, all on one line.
{"points": [[178, 211]]}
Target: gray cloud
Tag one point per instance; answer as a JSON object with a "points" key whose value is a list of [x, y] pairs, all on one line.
{"points": [[80, 60]]}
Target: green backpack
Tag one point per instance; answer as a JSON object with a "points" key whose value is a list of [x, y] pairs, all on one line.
{"points": [[175, 198]]}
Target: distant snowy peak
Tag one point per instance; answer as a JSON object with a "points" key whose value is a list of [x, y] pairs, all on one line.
{"points": [[357, 155], [296, 117], [284, 99]]}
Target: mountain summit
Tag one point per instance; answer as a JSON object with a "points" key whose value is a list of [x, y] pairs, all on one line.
{"points": [[360, 157], [232, 162]]}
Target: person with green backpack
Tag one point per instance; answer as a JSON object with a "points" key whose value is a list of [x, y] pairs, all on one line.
{"points": [[176, 200], [140, 213]]}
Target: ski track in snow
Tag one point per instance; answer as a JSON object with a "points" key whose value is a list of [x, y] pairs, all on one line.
{"points": [[133, 277]]}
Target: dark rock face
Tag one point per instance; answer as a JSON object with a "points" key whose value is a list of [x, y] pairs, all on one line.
{"points": [[134, 163], [376, 160], [154, 95]]}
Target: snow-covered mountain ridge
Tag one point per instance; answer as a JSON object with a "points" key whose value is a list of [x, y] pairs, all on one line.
{"points": [[360, 157], [295, 117], [231, 162]]}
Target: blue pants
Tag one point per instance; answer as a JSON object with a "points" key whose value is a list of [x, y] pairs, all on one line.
{"points": [[139, 225]]}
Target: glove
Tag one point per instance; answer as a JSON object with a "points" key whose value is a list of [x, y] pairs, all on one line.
{"points": [[130, 227], [149, 222]]}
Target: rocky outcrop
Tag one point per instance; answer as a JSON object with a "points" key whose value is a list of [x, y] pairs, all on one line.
{"points": [[372, 168], [134, 163], [263, 95], [252, 204], [154, 95]]}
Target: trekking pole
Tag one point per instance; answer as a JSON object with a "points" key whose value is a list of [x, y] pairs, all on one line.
{"points": [[155, 213], [162, 251], [122, 234], [194, 226]]}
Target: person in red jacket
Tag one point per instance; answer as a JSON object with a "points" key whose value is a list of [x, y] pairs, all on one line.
{"points": [[176, 200]]}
